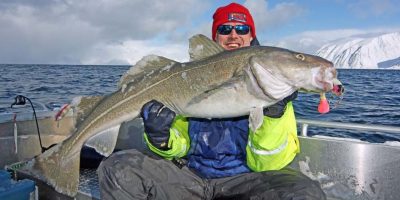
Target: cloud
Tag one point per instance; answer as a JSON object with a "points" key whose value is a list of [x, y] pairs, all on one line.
{"points": [[129, 52], [121, 32], [139, 19], [49, 31], [267, 18], [26, 37]]}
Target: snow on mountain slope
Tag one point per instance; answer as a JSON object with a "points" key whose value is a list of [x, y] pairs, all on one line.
{"points": [[381, 52]]}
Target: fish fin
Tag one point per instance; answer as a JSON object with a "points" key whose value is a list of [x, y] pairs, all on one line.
{"points": [[105, 141], [256, 118], [201, 46], [83, 106], [268, 82], [146, 65], [56, 168], [59, 167]]}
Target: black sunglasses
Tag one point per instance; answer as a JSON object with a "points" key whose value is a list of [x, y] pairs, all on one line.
{"points": [[227, 29]]}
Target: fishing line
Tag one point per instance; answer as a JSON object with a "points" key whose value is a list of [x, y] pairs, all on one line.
{"points": [[339, 100]]}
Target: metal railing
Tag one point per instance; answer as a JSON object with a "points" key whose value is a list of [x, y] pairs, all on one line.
{"points": [[305, 123]]}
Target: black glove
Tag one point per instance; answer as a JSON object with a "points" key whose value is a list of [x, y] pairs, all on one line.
{"points": [[157, 120], [277, 110]]}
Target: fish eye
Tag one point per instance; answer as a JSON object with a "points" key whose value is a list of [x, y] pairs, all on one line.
{"points": [[300, 56]]}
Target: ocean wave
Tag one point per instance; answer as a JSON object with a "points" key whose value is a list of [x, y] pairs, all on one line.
{"points": [[371, 96]]}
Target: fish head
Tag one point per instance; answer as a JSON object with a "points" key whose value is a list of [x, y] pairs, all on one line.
{"points": [[279, 72]]}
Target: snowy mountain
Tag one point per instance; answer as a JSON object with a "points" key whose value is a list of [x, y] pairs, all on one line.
{"points": [[373, 52]]}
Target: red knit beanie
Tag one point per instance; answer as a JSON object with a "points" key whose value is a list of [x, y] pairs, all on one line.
{"points": [[233, 13]]}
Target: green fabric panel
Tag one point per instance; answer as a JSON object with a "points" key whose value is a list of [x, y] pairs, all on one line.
{"points": [[178, 140], [274, 133]]}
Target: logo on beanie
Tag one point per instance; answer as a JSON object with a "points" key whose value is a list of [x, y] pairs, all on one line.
{"points": [[240, 17]]}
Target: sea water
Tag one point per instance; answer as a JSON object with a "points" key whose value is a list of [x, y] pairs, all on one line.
{"points": [[371, 96]]}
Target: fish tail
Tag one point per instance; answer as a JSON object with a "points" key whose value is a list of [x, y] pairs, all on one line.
{"points": [[57, 169]]}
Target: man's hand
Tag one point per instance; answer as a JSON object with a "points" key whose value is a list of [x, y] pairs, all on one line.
{"points": [[157, 121], [277, 110]]}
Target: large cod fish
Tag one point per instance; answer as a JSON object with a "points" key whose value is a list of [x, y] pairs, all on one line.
{"points": [[214, 84]]}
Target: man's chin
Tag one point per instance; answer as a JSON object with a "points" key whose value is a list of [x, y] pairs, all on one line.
{"points": [[231, 47]]}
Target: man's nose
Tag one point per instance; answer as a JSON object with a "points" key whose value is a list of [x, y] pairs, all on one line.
{"points": [[233, 33]]}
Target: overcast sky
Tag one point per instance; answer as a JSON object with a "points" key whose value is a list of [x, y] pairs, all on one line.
{"points": [[123, 31]]}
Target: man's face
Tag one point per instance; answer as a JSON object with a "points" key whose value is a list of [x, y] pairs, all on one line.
{"points": [[233, 40]]}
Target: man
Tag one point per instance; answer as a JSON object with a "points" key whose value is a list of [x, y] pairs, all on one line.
{"points": [[212, 158]]}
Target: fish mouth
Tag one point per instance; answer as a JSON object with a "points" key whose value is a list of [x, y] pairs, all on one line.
{"points": [[338, 88]]}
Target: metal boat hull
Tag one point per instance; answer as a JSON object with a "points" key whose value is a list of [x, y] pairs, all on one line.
{"points": [[350, 169], [346, 169]]}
